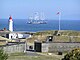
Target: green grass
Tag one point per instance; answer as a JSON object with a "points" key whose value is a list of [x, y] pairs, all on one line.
{"points": [[61, 39], [17, 54], [33, 58], [22, 56], [64, 37]]}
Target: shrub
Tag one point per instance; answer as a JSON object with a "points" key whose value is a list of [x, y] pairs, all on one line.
{"points": [[73, 55], [3, 56]]}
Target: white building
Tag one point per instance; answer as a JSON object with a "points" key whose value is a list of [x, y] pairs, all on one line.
{"points": [[14, 35]]}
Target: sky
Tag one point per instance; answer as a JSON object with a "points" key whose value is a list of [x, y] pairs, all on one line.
{"points": [[22, 9]]}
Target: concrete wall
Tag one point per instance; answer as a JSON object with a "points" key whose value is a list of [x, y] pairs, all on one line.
{"points": [[54, 47], [45, 47], [21, 47], [28, 46]]}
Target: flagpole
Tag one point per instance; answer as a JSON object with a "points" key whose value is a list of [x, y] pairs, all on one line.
{"points": [[59, 21]]}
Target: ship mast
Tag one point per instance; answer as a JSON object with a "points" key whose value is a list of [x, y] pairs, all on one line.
{"points": [[36, 16], [42, 16]]}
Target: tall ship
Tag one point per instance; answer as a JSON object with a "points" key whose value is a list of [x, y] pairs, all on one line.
{"points": [[37, 19]]}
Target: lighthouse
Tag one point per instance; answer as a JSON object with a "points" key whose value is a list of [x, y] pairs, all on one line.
{"points": [[13, 35], [10, 24]]}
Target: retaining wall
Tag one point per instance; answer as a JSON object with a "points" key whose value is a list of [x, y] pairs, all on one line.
{"points": [[62, 47], [12, 48]]}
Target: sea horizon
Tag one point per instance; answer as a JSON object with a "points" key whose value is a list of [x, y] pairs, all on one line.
{"points": [[21, 25]]}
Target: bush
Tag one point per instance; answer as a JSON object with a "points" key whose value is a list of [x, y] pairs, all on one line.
{"points": [[3, 56], [73, 55]]}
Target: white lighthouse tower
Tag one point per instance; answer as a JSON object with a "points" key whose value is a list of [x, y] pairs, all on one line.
{"points": [[10, 24], [11, 35]]}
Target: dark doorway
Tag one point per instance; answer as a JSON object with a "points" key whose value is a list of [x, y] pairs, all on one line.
{"points": [[11, 37], [7, 35], [37, 46]]}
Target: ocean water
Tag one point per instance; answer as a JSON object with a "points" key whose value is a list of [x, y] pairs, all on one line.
{"points": [[21, 25]]}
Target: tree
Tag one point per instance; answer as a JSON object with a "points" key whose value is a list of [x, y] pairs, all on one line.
{"points": [[73, 55], [3, 56]]}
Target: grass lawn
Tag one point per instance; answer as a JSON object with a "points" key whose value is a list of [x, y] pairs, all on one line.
{"points": [[25, 57], [33, 58]]}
